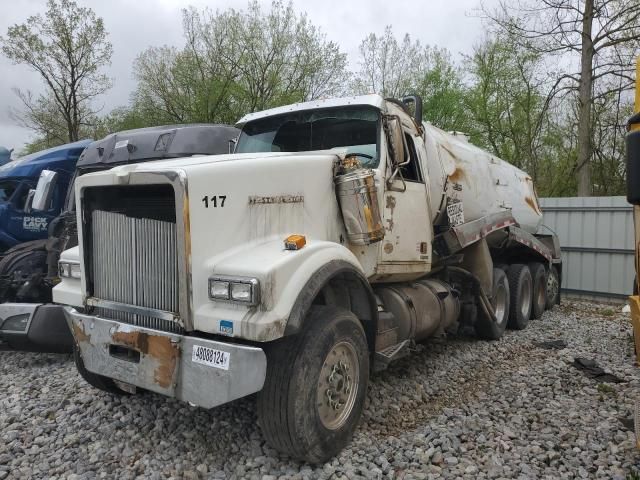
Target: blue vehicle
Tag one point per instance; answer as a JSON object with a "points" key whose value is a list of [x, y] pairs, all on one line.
{"points": [[29, 270], [18, 223]]}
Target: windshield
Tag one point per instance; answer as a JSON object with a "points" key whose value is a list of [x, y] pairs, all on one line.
{"points": [[352, 128]]}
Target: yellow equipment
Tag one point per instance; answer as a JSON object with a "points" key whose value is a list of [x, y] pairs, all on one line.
{"points": [[633, 196]]}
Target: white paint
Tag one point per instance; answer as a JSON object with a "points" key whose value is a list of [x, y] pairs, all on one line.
{"points": [[246, 238]]}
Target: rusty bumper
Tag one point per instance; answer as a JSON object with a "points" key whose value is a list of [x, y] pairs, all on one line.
{"points": [[163, 362]]}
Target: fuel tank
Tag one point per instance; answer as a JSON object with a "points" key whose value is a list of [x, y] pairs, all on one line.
{"points": [[483, 183]]}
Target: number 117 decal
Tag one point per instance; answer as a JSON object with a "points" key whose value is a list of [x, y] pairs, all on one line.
{"points": [[214, 200]]}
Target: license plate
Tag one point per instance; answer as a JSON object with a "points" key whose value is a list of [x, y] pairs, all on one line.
{"points": [[211, 357], [455, 212]]}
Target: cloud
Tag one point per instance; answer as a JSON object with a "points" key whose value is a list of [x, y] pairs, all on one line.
{"points": [[135, 25]]}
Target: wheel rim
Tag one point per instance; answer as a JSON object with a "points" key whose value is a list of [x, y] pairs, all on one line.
{"points": [[500, 304], [525, 306], [552, 286], [338, 385]]}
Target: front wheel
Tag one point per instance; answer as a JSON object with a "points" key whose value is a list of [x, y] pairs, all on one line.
{"points": [[316, 386]]}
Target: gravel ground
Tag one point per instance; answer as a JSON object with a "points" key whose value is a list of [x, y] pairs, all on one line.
{"points": [[459, 408]]}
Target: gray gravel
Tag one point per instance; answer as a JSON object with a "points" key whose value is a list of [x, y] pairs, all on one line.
{"points": [[460, 408]]}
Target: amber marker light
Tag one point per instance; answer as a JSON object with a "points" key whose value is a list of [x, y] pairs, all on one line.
{"points": [[295, 242]]}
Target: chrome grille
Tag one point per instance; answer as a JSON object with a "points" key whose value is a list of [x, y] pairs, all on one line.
{"points": [[135, 262]]}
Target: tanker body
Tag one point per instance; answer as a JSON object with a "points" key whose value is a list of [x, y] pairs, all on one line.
{"points": [[340, 233], [483, 183]]}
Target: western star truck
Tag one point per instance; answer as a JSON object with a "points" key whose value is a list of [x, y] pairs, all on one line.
{"points": [[339, 233], [28, 272]]}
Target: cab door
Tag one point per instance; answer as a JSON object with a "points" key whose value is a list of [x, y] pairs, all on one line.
{"points": [[406, 247]]}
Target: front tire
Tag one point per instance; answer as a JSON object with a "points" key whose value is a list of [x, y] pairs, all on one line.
{"points": [[315, 387]]}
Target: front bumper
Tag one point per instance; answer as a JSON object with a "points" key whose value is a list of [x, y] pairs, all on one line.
{"points": [[40, 327], [162, 361]]}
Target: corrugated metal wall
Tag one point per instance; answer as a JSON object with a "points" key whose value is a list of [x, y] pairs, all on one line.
{"points": [[596, 237]]}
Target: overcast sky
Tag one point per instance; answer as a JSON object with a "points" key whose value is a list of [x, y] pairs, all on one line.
{"points": [[134, 25]]}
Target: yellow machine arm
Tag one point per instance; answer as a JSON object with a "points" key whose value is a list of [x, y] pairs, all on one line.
{"points": [[633, 196]]}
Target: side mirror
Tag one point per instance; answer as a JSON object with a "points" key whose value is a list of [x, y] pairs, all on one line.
{"points": [[28, 204], [44, 190], [417, 102], [395, 137]]}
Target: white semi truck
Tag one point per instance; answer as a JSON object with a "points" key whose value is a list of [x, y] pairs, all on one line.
{"points": [[339, 233]]}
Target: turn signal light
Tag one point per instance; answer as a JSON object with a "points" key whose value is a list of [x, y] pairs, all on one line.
{"points": [[295, 242]]}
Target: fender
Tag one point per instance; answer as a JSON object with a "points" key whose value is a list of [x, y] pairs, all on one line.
{"points": [[289, 281]]}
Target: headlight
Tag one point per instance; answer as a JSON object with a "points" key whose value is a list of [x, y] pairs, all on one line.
{"points": [[235, 289], [69, 270]]}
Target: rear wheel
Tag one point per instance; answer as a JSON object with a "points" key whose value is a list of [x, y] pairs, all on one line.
{"points": [[486, 327], [316, 386], [100, 382], [553, 287], [539, 277], [521, 285]]}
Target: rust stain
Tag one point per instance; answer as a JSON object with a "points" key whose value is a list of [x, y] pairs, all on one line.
{"points": [[156, 346], [533, 204], [80, 335], [390, 224], [456, 175], [391, 203], [388, 247]]}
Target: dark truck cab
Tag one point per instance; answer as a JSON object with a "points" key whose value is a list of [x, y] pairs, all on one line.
{"points": [[28, 272], [18, 222]]}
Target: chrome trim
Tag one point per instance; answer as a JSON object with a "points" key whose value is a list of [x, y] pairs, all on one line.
{"points": [[255, 289], [135, 309], [178, 180]]}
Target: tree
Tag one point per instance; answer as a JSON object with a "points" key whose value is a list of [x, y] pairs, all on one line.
{"points": [[509, 103], [235, 62], [395, 68], [67, 47], [599, 35]]}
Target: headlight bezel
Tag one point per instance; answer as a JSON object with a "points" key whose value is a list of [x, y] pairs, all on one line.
{"points": [[252, 283], [68, 269]]}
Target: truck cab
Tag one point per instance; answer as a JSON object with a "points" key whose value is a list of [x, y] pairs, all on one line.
{"points": [[18, 222], [340, 233]]}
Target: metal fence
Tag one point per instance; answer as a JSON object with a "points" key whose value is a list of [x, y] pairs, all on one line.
{"points": [[596, 237]]}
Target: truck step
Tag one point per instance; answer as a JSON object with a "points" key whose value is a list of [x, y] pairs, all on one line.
{"points": [[384, 357]]}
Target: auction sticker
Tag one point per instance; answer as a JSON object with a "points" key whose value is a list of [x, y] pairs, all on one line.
{"points": [[455, 212], [211, 357]]}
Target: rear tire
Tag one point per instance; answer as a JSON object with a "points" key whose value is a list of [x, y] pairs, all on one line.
{"points": [[316, 386], [485, 326], [100, 382], [553, 287], [521, 285], [539, 277]]}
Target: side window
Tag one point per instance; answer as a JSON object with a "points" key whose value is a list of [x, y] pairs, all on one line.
{"points": [[411, 171], [7, 189]]}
